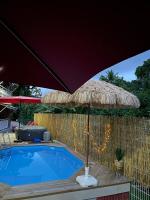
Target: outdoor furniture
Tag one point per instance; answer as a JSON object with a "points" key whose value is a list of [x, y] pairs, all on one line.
{"points": [[30, 133]]}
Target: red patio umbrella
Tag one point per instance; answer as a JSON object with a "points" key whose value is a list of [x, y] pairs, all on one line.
{"points": [[61, 44], [19, 100]]}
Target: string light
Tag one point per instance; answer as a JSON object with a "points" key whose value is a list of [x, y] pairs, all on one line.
{"points": [[102, 148]]}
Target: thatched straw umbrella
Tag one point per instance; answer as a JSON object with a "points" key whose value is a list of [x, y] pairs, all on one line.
{"points": [[102, 95], [94, 94], [56, 97]]}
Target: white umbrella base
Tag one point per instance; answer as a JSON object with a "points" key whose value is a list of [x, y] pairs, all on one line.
{"points": [[86, 181]]}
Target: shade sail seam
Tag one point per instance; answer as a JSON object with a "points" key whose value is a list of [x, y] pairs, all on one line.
{"points": [[34, 54]]}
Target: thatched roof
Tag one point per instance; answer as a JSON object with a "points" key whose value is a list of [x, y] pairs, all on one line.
{"points": [[95, 93]]}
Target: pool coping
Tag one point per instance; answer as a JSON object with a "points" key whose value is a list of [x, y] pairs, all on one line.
{"points": [[104, 190], [63, 186]]}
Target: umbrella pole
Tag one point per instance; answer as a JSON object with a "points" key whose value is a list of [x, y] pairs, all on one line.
{"points": [[88, 137], [87, 180], [19, 113]]}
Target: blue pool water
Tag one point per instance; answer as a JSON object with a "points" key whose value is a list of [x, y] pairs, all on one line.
{"points": [[36, 164]]}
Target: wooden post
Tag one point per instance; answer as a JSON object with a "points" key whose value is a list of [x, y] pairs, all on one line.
{"points": [[88, 137]]}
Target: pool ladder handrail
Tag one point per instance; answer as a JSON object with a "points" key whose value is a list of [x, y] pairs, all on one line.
{"points": [[5, 144]]}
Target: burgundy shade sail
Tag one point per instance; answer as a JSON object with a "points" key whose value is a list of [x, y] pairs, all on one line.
{"points": [[19, 99], [60, 44]]}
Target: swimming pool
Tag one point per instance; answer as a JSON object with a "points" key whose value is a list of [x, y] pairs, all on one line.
{"points": [[22, 165]]}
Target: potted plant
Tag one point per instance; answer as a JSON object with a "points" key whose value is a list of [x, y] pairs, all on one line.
{"points": [[119, 159]]}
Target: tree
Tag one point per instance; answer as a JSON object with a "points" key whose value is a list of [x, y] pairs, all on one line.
{"points": [[26, 111], [22, 90], [115, 79], [110, 77], [143, 74], [140, 87]]}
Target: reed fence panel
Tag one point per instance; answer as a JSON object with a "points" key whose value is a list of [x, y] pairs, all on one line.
{"points": [[106, 134]]}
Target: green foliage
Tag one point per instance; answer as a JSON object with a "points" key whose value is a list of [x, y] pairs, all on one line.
{"points": [[140, 87], [143, 72], [110, 77], [41, 108], [44, 108], [143, 87], [22, 90], [25, 112], [119, 154], [115, 79]]}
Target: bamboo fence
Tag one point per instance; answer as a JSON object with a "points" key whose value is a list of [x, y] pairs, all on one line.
{"points": [[106, 134]]}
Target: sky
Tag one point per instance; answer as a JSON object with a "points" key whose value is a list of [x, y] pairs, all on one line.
{"points": [[125, 69]]}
